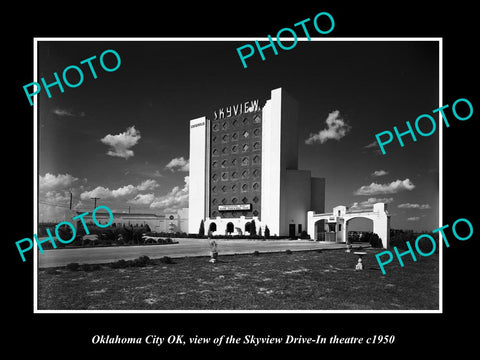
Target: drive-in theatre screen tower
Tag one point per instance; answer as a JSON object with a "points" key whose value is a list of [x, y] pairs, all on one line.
{"points": [[244, 167]]}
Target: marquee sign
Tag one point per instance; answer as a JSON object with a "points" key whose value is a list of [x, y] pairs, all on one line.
{"points": [[239, 207], [246, 107]]}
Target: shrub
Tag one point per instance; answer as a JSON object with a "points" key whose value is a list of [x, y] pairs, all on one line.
{"points": [[375, 241], [107, 236], [253, 229], [267, 232], [256, 253], [65, 232], [73, 266], [399, 239], [424, 245], [120, 264], [166, 260], [141, 261], [288, 251], [304, 235], [90, 267]]}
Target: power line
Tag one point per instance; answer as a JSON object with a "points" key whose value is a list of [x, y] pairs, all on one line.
{"points": [[50, 204]]}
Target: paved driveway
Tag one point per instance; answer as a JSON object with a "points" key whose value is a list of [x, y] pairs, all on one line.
{"points": [[185, 247]]}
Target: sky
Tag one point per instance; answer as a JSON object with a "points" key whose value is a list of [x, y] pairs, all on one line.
{"points": [[124, 136]]}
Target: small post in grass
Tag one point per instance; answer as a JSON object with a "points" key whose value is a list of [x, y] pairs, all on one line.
{"points": [[213, 249], [359, 265]]}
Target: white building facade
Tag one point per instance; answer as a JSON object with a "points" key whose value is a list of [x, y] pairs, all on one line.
{"points": [[334, 226], [244, 170]]}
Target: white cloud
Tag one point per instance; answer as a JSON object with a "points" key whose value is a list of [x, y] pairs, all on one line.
{"points": [[148, 185], [55, 182], [391, 188], [56, 197], [142, 199], [124, 191], [371, 145], [99, 191], [369, 203], [120, 144], [176, 199], [179, 164], [413, 218], [337, 129], [414, 206], [64, 112], [379, 173]]}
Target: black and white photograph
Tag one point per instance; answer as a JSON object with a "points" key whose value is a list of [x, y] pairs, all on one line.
{"points": [[277, 168], [216, 179]]}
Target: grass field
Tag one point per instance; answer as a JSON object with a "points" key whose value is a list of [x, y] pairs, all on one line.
{"points": [[308, 280]]}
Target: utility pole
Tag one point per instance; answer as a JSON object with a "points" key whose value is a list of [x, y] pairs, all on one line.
{"points": [[95, 199], [70, 200]]}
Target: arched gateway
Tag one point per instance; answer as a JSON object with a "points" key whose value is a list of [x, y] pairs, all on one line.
{"points": [[336, 222]]}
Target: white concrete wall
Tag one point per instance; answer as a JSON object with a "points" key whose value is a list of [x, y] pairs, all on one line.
{"points": [[289, 156], [279, 153], [271, 151], [199, 148], [381, 226], [311, 225]]}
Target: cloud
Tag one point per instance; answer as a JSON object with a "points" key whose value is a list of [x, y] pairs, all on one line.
{"points": [[369, 203], [379, 173], [55, 182], [414, 206], [413, 218], [56, 197], [124, 191], [142, 199], [375, 149], [337, 129], [176, 199], [120, 144], [179, 164], [64, 112], [148, 185], [391, 188], [371, 145]]}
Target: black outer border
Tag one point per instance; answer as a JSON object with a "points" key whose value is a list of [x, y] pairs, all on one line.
{"points": [[67, 334]]}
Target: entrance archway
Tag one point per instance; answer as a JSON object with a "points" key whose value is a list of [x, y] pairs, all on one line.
{"points": [[230, 228], [212, 227], [247, 226], [357, 227], [341, 215]]}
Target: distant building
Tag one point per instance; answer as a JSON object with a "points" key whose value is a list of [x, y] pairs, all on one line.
{"points": [[176, 222], [155, 222], [244, 167], [172, 222]]}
